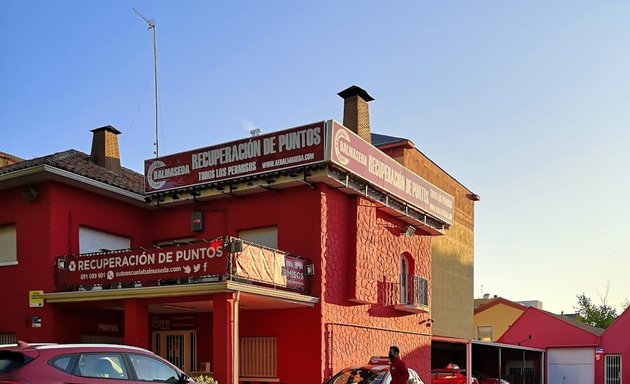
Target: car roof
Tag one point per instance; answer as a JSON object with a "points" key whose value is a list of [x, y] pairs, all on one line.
{"points": [[84, 347]]}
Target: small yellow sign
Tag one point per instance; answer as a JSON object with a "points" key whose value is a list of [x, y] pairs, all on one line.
{"points": [[34, 299]]}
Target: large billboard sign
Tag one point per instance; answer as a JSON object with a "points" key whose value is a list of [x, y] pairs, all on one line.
{"points": [[255, 155], [306, 145], [355, 155], [183, 261]]}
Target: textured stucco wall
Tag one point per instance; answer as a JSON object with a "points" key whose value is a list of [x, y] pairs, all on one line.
{"points": [[361, 250], [453, 253]]}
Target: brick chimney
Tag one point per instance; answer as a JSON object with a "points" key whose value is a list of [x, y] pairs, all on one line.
{"points": [[105, 148], [356, 115]]}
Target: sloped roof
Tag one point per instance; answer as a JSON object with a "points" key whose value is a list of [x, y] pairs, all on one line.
{"points": [[588, 328], [378, 139], [499, 300], [79, 163]]}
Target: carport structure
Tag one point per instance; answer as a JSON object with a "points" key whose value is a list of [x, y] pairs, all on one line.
{"points": [[516, 364], [513, 363]]}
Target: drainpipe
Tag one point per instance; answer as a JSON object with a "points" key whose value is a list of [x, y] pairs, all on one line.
{"points": [[235, 341]]}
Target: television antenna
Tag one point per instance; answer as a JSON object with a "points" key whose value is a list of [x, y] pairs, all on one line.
{"points": [[151, 24]]}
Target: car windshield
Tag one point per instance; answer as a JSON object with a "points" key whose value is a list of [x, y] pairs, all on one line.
{"points": [[359, 376], [10, 361]]}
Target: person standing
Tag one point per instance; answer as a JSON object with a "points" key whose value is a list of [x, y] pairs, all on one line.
{"points": [[397, 367]]}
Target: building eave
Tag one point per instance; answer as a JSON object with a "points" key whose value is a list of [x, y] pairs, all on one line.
{"points": [[42, 172], [176, 291]]}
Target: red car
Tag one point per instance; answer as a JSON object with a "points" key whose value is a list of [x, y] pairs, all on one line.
{"points": [[452, 374], [85, 364]]}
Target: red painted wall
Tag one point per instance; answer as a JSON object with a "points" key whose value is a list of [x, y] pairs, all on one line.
{"points": [[362, 247], [616, 341], [546, 331], [47, 228], [355, 249]]}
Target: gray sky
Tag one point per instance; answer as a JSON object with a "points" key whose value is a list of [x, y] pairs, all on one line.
{"points": [[525, 103]]}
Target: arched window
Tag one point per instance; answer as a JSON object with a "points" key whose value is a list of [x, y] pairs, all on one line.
{"points": [[404, 279]]}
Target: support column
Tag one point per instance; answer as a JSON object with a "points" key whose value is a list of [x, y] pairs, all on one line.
{"points": [[469, 362], [137, 323], [225, 338]]}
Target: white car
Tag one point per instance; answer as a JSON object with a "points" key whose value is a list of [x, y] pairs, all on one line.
{"points": [[375, 372]]}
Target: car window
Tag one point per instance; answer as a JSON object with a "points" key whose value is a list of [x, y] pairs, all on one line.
{"points": [[10, 361], [358, 376], [102, 365], [64, 363], [151, 369]]}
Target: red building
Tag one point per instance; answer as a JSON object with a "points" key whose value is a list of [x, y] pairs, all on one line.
{"points": [[614, 350], [570, 346], [282, 257]]}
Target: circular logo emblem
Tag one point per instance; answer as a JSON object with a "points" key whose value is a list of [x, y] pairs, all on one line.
{"points": [[339, 136], [72, 266], [110, 275], [154, 166]]}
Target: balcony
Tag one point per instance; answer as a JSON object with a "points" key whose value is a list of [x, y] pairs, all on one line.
{"points": [[206, 261], [414, 294]]}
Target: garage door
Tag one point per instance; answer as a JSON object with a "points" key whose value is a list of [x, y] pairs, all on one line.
{"points": [[571, 366]]}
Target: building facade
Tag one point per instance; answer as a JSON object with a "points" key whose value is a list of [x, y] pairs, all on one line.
{"points": [[570, 346], [494, 317], [231, 259]]}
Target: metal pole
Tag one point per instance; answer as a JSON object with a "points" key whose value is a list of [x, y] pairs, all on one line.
{"points": [[155, 81], [500, 367]]}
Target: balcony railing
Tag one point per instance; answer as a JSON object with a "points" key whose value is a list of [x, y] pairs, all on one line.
{"points": [[220, 259], [414, 291]]}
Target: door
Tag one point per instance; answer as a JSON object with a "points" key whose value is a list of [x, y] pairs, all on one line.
{"points": [[178, 347], [571, 366], [612, 370]]}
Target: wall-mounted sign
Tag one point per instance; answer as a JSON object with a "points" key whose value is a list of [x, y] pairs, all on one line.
{"points": [[355, 155], [255, 155], [318, 143], [35, 300], [202, 258], [36, 322]]}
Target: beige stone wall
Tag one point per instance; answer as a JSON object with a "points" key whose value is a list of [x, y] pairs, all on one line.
{"points": [[452, 290]]}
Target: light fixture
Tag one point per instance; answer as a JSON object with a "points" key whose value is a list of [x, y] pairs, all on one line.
{"points": [[236, 246], [30, 194], [409, 231], [309, 270]]}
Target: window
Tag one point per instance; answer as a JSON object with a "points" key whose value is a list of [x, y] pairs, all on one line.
{"points": [[265, 236], [404, 280], [8, 338], [152, 370], [258, 357], [612, 369], [484, 333], [169, 243], [91, 240], [8, 245], [103, 365], [64, 363]]}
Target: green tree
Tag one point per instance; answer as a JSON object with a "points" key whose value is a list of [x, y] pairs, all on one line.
{"points": [[596, 315]]}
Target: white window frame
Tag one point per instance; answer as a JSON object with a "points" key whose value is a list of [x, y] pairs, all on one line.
{"points": [[8, 245], [93, 240]]}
